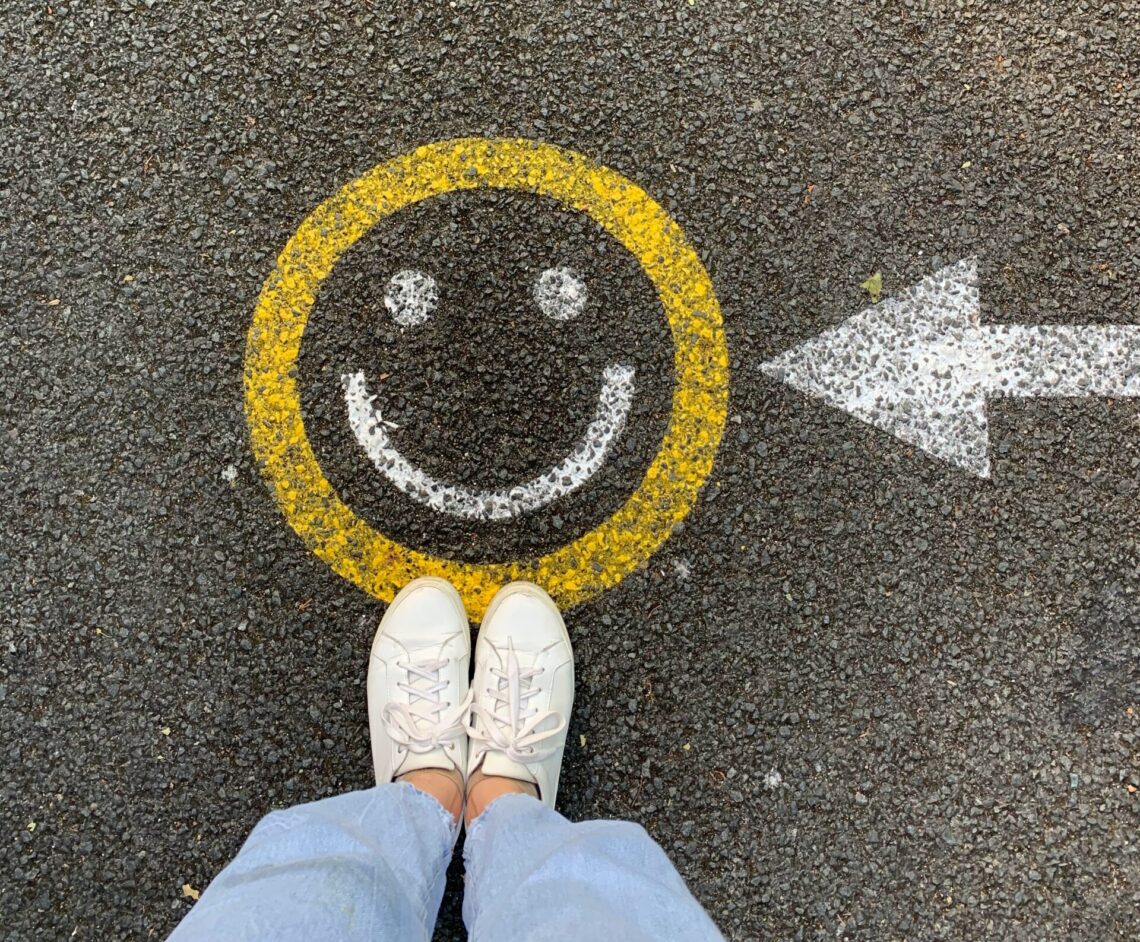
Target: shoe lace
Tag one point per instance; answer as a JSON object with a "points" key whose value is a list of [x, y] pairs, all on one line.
{"points": [[509, 725], [425, 722]]}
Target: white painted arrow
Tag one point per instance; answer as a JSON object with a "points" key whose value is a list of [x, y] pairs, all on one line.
{"points": [[921, 366]]}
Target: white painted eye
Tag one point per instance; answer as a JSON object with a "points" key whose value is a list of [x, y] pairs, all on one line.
{"points": [[560, 293], [411, 297]]}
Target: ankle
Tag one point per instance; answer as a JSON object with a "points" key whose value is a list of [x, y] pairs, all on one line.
{"points": [[483, 789], [444, 785]]}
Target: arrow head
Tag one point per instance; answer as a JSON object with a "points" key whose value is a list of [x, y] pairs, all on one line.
{"points": [[905, 366]]}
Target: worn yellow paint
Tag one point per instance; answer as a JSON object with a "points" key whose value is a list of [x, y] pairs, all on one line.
{"points": [[598, 559]]}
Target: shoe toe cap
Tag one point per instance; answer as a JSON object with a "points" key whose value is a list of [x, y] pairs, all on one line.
{"points": [[530, 621], [423, 615]]}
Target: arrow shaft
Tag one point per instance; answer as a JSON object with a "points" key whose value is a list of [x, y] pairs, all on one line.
{"points": [[1057, 360]]}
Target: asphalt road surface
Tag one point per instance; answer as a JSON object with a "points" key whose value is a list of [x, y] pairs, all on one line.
{"points": [[860, 693]]}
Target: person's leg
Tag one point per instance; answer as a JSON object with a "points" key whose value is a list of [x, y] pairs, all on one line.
{"points": [[369, 865], [531, 874]]}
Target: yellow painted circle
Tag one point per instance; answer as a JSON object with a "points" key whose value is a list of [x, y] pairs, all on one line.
{"points": [[596, 560]]}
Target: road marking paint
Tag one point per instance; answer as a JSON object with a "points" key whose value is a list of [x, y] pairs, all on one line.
{"points": [[455, 500], [921, 366], [560, 293], [598, 559], [411, 297]]}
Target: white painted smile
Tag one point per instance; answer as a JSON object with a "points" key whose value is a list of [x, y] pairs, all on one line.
{"points": [[568, 475], [410, 300]]}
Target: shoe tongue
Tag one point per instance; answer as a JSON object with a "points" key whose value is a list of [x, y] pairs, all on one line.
{"points": [[432, 759], [436, 758], [495, 763]]}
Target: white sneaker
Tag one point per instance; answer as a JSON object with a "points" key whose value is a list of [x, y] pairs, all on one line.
{"points": [[523, 689], [418, 696]]}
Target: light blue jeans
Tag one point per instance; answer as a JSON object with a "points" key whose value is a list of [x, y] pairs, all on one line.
{"points": [[371, 865]]}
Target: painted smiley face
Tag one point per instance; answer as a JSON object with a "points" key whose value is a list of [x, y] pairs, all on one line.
{"points": [[287, 443], [483, 374], [411, 298]]}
